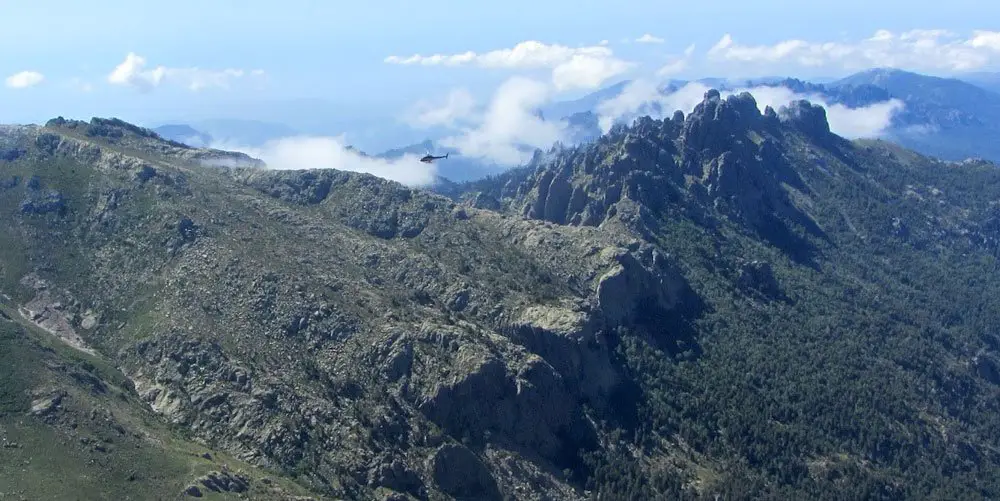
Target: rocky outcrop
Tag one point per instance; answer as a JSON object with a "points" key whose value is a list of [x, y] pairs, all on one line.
{"points": [[459, 473], [638, 290], [758, 276], [11, 154], [54, 311], [808, 117], [583, 187], [570, 342], [47, 405], [225, 481], [393, 473], [193, 383], [38, 201], [186, 232], [479, 396], [716, 125], [724, 154], [51, 202], [376, 206]]}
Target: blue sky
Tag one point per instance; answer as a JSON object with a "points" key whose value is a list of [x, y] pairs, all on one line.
{"points": [[59, 55]]}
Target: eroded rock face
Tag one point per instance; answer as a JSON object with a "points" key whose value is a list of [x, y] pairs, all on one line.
{"points": [[394, 474], [458, 472], [715, 124], [194, 383], [581, 190], [633, 292], [723, 155], [52, 202], [55, 311], [507, 398], [225, 481], [376, 206], [808, 117], [569, 341]]}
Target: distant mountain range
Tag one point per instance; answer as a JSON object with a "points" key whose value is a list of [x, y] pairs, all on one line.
{"points": [[986, 80], [944, 117], [184, 134]]}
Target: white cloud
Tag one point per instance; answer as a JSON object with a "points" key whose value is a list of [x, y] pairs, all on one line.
{"points": [[459, 108], [132, 72], [572, 67], [509, 129], [308, 152], [985, 39], [647, 38], [24, 79], [638, 97], [587, 72], [918, 50]]}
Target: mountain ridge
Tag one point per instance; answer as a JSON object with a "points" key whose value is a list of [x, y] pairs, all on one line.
{"points": [[944, 117], [724, 303]]}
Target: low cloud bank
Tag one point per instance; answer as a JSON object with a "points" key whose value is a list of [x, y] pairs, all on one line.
{"points": [[510, 127], [312, 152], [505, 131]]}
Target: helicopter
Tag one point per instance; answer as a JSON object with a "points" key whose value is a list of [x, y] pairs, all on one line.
{"points": [[430, 158]]}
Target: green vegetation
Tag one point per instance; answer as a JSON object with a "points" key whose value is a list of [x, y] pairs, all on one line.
{"points": [[736, 306], [875, 379]]}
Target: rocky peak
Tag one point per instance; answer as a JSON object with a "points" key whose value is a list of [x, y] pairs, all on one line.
{"points": [[724, 159], [806, 117], [715, 123]]}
